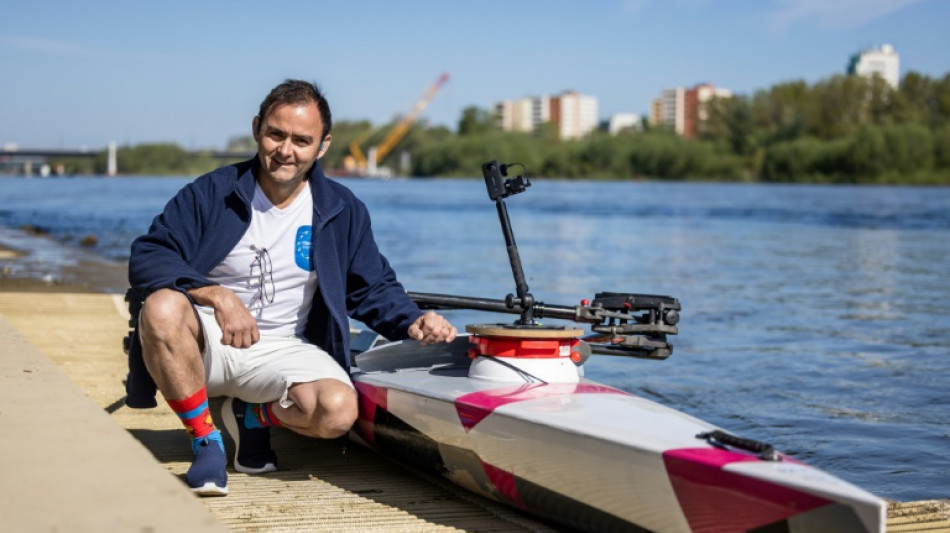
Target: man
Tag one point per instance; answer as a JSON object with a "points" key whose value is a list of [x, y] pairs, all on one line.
{"points": [[250, 272]]}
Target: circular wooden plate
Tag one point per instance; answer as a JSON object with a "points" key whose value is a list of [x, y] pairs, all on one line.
{"points": [[539, 332]]}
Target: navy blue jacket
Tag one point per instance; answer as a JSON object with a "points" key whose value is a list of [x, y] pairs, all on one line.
{"points": [[207, 218]]}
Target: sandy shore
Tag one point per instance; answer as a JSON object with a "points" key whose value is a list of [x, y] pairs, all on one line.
{"points": [[9, 253], [83, 272], [34, 285]]}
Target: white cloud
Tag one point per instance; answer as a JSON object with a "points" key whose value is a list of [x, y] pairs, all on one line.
{"points": [[835, 14]]}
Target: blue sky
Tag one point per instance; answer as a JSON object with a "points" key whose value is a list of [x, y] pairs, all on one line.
{"points": [[78, 74]]}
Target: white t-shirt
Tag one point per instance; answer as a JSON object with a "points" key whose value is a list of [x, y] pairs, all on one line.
{"points": [[271, 268]]}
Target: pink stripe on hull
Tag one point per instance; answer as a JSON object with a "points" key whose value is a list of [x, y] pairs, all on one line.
{"points": [[370, 397], [717, 501], [474, 407], [504, 481]]}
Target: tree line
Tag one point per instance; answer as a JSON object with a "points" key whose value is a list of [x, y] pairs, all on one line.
{"points": [[844, 129]]}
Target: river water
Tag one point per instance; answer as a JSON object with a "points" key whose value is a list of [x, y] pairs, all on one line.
{"points": [[816, 318]]}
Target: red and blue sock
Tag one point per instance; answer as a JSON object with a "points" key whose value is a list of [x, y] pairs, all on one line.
{"points": [[260, 415], [195, 415]]}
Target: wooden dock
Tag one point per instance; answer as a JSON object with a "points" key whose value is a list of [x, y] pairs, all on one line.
{"points": [[46, 336]]}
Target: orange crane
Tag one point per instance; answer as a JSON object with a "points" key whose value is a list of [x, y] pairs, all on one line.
{"points": [[356, 152], [380, 152]]}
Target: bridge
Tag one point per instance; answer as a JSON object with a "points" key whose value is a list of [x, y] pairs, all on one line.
{"points": [[27, 161]]}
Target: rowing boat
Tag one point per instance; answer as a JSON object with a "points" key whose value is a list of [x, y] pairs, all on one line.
{"points": [[587, 455], [506, 412]]}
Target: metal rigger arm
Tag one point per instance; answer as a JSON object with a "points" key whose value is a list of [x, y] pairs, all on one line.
{"points": [[634, 325]]}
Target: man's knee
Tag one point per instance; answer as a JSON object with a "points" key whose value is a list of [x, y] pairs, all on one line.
{"points": [[165, 313], [340, 409], [332, 408]]}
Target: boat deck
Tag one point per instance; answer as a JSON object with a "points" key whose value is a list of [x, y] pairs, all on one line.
{"points": [[76, 459]]}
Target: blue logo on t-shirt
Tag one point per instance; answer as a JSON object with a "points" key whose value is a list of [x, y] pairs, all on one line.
{"points": [[302, 248]]}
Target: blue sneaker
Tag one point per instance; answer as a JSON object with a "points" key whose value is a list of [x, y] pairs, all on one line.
{"points": [[252, 451], [208, 475]]}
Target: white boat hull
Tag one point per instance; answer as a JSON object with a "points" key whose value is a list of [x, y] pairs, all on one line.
{"points": [[586, 455]]}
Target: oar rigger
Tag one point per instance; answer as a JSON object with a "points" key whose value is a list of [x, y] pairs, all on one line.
{"points": [[627, 324]]}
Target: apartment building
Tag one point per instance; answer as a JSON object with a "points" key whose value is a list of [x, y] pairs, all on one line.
{"points": [[883, 61], [515, 115], [621, 121], [573, 114], [685, 110], [669, 110], [696, 111]]}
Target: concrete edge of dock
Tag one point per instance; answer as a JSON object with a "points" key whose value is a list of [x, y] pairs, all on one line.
{"points": [[67, 466]]}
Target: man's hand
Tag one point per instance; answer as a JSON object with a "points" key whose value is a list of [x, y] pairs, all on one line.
{"points": [[238, 327], [431, 328]]}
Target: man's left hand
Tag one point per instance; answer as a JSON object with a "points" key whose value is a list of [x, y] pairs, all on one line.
{"points": [[431, 328]]}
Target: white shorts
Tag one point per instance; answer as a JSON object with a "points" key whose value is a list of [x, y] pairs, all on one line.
{"points": [[265, 371]]}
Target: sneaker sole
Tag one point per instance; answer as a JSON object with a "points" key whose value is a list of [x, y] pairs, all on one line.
{"points": [[210, 489], [230, 424]]}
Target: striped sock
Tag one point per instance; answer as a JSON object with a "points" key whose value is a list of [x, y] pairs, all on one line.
{"points": [[195, 415], [260, 415]]}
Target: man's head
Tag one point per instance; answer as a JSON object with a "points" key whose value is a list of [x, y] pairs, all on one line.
{"points": [[297, 92], [292, 130]]}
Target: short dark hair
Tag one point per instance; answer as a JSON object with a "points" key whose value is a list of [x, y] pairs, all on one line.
{"points": [[297, 92]]}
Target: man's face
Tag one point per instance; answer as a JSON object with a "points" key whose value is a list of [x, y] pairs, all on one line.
{"points": [[288, 141]]}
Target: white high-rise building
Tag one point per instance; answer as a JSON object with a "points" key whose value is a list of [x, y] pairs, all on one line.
{"points": [[573, 114], [522, 115], [883, 61], [685, 110], [514, 115], [622, 121], [670, 110], [540, 110]]}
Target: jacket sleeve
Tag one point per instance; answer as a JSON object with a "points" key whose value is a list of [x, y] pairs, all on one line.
{"points": [[373, 294], [160, 258]]}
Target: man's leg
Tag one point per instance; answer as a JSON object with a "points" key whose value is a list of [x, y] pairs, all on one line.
{"points": [[172, 341], [323, 409], [285, 382], [249, 425]]}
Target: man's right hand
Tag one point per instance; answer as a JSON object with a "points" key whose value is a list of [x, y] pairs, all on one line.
{"points": [[238, 327]]}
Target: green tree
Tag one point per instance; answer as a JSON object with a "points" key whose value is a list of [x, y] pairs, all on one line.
{"points": [[739, 125], [941, 138], [867, 154], [780, 114], [242, 143], [476, 121], [604, 155], [841, 106], [157, 159], [910, 148], [915, 100], [842, 129]]}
